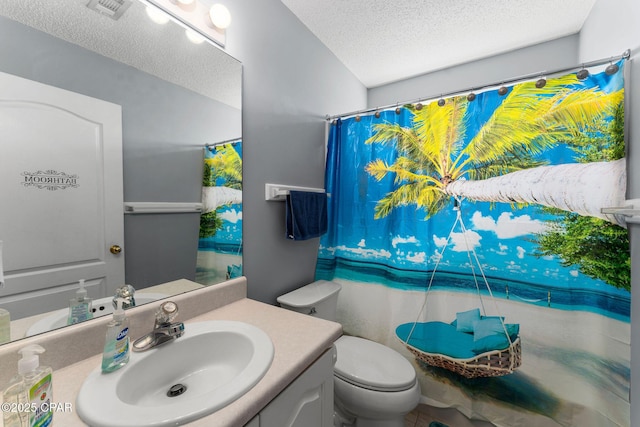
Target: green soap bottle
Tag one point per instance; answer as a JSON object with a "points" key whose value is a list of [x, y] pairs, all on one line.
{"points": [[38, 382]]}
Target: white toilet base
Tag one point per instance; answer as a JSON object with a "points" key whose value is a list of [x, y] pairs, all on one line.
{"points": [[358, 407]]}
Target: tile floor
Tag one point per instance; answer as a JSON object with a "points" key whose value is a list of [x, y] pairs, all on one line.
{"points": [[424, 415]]}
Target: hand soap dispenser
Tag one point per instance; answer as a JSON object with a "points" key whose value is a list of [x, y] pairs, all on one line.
{"points": [[116, 346], [80, 307], [38, 383], [14, 397]]}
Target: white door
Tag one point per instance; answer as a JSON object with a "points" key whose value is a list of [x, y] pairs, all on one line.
{"points": [[61, 198]]}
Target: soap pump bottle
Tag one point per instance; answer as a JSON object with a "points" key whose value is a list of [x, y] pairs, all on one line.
{"points": [[38, 384], [80, 307], [14, 396], [116, 346]]}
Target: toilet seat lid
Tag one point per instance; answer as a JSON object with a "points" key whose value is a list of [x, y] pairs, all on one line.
{"points": [[371, 365]]}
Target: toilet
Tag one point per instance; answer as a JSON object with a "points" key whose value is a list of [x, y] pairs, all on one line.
{"points": [[374, 386]]}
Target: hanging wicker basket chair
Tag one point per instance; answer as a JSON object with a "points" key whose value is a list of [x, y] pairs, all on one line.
{"points": [[493, 363], [500, 353]]}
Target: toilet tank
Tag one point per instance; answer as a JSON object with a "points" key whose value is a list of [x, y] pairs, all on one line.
{"points": [[319, 299]]}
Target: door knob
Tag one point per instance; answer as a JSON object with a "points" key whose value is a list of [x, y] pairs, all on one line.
{"points": [[115, 249]]}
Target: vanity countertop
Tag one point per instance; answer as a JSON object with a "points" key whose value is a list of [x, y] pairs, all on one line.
{"points": [[298, 341]]}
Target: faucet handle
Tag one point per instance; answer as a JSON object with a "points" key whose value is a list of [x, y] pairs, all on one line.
{"points": [[167, 312], [125, 292]]}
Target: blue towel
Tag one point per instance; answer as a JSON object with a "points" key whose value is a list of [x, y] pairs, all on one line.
{"points": [[306, 215]]}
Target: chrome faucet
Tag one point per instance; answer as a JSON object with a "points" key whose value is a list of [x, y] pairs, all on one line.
{"points": [[126, 292], [164, 329]]}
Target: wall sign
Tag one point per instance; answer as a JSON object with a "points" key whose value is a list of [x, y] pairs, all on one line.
{"points": [[50, 180]]}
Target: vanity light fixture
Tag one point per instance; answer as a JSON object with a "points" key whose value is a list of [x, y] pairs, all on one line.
{"points": [[197, 16]]}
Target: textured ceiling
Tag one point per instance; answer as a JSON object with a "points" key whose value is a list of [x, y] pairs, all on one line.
{"points": [[160, 50], [382, 41]]}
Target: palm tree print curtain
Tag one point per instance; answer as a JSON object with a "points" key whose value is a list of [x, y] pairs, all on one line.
{"points": [[220, 243], [528, 172]]}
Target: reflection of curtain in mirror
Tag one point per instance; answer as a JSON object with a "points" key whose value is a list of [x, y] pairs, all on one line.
{"points": [[220, 242], [531, 170]]}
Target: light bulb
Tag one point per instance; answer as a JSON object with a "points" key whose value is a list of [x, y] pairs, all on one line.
{"points": [[156, 15], [193, 36], [220, 16]]}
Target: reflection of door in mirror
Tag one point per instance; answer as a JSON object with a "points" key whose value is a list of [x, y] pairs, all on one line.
{"points": [[64, 214]]}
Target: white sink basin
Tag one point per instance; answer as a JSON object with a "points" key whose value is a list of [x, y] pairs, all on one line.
{"points": [[103, 306], [217, 362]]}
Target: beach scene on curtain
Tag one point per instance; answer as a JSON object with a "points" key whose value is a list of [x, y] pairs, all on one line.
{"points": [[220, 239], [467, 233]]}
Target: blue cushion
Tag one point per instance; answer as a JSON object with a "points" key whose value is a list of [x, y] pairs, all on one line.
{"points": [[490, 343], [437, 338], [466, 319], [487, 326], [442, 338], [488, 334]]}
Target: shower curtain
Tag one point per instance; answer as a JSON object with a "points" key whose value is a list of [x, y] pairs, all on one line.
{"points": [[220, 240], [505, 188]]}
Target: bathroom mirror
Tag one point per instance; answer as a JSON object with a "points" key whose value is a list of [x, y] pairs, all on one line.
{"points": [[176, 97]]}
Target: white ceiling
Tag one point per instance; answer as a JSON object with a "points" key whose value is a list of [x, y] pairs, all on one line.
{"points": [[160, 50], [383, 41]]}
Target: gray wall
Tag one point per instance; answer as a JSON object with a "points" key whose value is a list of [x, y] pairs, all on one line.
{"points": [[290, 82], [555, 54], [164, 129], [611, 28]]}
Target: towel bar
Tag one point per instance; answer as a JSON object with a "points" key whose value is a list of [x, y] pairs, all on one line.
{"points": [[278, 192], [630, 211], [160, 207]]}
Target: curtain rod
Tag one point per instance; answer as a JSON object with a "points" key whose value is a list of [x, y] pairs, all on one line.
{"points": [[625, 55], [234, 140]]}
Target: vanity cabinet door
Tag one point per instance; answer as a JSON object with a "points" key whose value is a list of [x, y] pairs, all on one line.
{"points": [[307, 401]]}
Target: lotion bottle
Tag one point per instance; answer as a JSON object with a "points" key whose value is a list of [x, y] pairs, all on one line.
{"points": [[80, 307], [38, 384], [116, 345]]}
